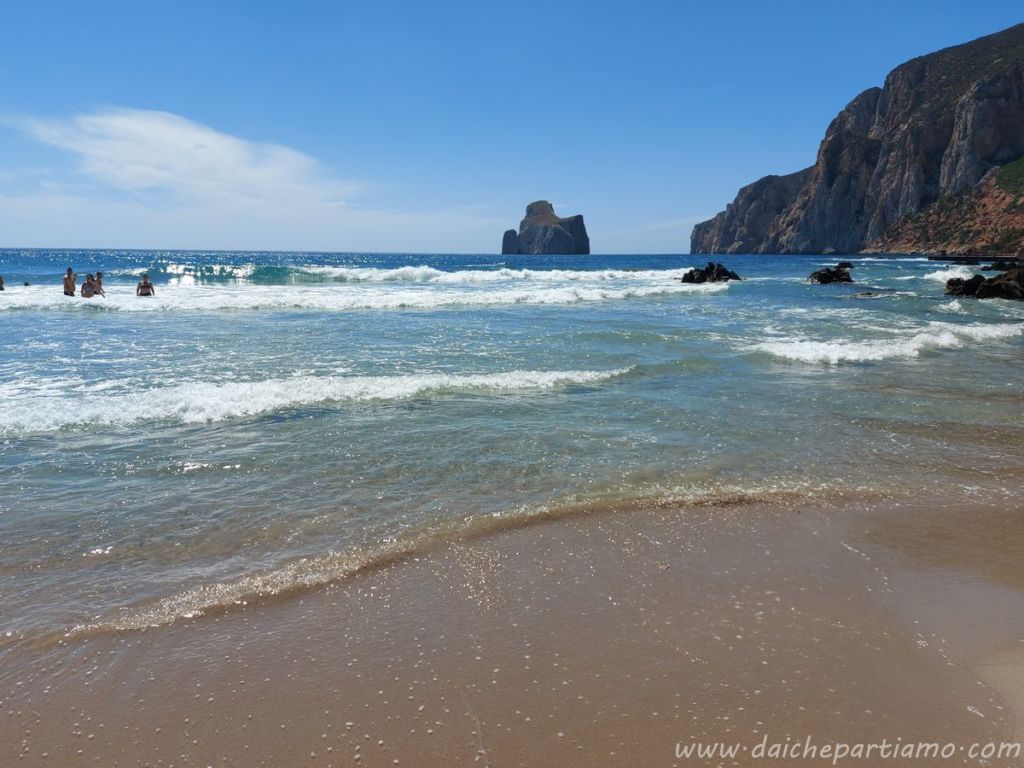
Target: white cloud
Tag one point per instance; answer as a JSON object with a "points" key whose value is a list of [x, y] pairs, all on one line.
{"points": [[148, 179], [139, 150], [151, 179]]}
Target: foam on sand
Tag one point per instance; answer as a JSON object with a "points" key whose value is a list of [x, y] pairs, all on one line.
{"points": [[334, 566], [904, 344], [203, 401]]}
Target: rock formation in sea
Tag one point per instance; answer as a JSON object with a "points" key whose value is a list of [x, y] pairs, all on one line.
{"points": [[931, 161], [1009, 285], [712, 273], [541, 231], [840, 273]]}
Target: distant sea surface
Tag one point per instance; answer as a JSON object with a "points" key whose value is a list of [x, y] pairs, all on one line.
{"points": [[270, 422]]}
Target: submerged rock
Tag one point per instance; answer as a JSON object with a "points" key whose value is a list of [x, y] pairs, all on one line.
{"points": [[712, 273], [840, 273], [542, 232], [1009, 285]]}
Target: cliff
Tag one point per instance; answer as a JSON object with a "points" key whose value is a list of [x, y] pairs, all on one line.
{"points": [[932, 133], [988, 218], [741, 227], [541, 231]]}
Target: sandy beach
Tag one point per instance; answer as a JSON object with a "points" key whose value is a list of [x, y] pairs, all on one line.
{"points": [[598, 639], [490, 385]]}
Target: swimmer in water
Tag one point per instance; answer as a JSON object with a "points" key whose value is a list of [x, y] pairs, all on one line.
{"points": [[145, 288], [69, 282]]}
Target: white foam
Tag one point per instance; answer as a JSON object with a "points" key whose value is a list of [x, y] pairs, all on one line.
{"points": [[885, 259], [343, 297], [949, 273], [204, 401], [906, 344], [953, 306], [425, 274]]}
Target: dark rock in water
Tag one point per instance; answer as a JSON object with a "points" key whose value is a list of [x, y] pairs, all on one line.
{"points": [[960, 287], [712, 273], [1009, 285], [1001, 265], [840, 273], [541, 231]]}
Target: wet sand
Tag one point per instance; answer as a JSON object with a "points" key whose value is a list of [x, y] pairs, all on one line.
{"points": [[595, 640]]}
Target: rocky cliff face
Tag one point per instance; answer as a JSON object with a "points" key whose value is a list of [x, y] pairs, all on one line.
{"points": [[741, 227], [541, 231], [987, 218], [934, 130]]}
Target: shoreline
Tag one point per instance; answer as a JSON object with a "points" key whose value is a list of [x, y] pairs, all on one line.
{"points": [[599, 639], [299, 577]]}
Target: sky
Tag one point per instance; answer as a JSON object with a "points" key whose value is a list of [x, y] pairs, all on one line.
{"points": [[424, 126]]}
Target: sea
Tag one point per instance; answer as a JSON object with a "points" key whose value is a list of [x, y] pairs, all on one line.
{"points": [[268, 423]]}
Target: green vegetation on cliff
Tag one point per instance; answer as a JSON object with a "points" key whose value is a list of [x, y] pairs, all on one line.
{"points": [[1011, 178]]}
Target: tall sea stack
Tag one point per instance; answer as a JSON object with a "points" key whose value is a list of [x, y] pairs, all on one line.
{"points": [[542, 232]]}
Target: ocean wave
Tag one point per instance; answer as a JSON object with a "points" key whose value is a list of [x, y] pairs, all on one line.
{"points": [[942, 275], [200, 402], [425, 274], [312, 273], [339, 298], [953, 306], [885, 258], [882, 293], [908, 344]]}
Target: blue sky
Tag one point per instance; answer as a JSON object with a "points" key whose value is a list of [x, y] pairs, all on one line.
{"points": [[425, 127]]}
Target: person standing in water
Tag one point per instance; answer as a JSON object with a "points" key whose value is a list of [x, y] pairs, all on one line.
{"points": [[88, 287], [145, 288], [1, 282], [69, 282], [97, 285]]}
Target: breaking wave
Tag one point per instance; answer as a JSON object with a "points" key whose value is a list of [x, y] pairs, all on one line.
{"points": [[200, 402], [425, 274], [907, 344], [340, 298], [942, 275]]}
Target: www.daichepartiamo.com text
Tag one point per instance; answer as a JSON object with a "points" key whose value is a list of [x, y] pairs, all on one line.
{"points": [[836, 752]]}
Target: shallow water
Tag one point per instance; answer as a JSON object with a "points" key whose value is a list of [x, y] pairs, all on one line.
{"points": [[269, 421]]}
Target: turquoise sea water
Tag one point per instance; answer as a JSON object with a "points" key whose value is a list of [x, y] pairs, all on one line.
{"points": [[270, 421]]}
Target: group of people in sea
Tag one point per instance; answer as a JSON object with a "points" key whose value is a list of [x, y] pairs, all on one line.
{"points": [[93, 285]]}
